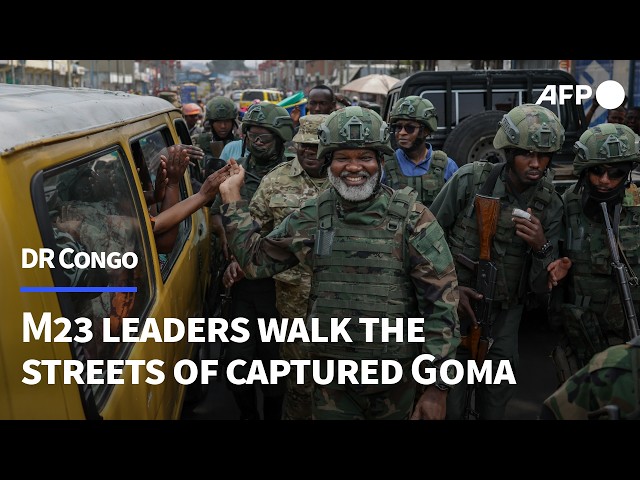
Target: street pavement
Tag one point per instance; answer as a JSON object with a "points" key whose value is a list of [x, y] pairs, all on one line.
{"points": [[536, 378]]}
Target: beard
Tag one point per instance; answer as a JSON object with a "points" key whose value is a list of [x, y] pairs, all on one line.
{"points": [[354, 193]]}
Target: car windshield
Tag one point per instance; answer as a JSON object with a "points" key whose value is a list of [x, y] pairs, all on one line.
{"points": [[248, 96]]}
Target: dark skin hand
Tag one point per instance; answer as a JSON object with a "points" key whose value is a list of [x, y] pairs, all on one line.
{"points": [[530, 231], [432, 405], [465, 305], [232, 274]]}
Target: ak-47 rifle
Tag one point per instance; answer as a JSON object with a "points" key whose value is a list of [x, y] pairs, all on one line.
{"points": [[621, 273], [479, 340]]}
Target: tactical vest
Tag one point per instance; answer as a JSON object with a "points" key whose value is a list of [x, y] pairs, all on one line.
{"points": [[427, 185], [593, 286], [252, 178], [361, 271], [508, 251]]}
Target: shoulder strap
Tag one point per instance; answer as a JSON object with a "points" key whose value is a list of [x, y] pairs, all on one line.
{"points": [[400, 205], [439, 160], [490, 182], [325, 208]]}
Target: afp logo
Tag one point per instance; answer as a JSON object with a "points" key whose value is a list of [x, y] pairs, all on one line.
{"points": [[609, 94]]}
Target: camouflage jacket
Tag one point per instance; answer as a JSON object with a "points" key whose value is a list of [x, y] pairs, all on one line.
{"points": [[611, 377], [254, 173], [430, 266], [282, 191]]}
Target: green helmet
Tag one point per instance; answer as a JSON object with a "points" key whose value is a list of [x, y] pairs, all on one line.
{"points": [[221, 108], [607, 143], [354, 127], [530, 127], [415, 108], [274, 118]]}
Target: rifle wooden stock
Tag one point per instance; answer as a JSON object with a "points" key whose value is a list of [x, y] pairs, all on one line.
{"points": [[479, 340], [487, 211], [471, 340]]}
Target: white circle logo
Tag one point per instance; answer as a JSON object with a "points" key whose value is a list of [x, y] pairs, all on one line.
{"points": [[610, 94]]}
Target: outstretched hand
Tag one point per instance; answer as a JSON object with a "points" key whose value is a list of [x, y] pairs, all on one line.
{"points": [[211, 185], [558, 269], [230, 188]]}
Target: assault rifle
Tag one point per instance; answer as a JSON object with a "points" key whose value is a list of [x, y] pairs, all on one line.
{"points": [[621, 274], [479, 340]]}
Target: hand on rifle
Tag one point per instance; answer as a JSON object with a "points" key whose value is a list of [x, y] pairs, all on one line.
{"points": [[432, 405], [465, 305], [558, 269], [232, 274], [530, 231]]}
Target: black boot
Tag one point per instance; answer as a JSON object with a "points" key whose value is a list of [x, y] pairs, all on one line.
{"points": [[246, 401], [272, 407]]}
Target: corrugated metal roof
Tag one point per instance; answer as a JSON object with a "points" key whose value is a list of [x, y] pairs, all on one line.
{"points": [[30, 114]]}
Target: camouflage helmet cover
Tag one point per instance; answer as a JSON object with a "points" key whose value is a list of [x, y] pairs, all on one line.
{"points": [[354, 127], [308, 130], [415, 108], [221, 108], [607, 143], [274, 118], [530, 127]]}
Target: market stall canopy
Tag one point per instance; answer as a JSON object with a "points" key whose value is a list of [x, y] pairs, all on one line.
{"points": [[376, 83]]}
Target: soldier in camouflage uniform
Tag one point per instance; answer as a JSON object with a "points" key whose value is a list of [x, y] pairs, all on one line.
{"points": [[416, 164], [373, 252], [521, 248], [608, 387], [588, 306], [282, 191], [266, 127], [221, 115]]}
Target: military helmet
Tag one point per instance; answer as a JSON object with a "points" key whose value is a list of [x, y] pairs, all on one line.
{"points": [[415, 108], [530, 127], [221, 108], [607, 143], [354, 127], [308, 130], [274, 118]]}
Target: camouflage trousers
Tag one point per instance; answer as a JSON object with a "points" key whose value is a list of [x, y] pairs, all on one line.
{"points": [[366, 402], [490, 400], [297, 398], [291, 301]]}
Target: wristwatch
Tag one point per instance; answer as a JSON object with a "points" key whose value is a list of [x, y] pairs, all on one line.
{"points": [[545, 251]]}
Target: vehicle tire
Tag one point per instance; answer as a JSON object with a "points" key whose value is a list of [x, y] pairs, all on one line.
{"points": [[472, 139]]}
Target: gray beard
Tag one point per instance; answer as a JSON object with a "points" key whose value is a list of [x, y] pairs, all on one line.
{"points": [[354, 194]]}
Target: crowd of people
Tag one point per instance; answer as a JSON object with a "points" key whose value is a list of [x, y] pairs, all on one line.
{"points": [[350, 227]]}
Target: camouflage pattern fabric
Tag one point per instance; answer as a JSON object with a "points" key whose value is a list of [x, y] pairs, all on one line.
{"points": [[530, 127], [282, 191], [611, 378], [431, 269], [346, 402]]}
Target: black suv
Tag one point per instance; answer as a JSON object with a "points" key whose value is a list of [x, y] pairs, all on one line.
{"points": [[470, 104]]}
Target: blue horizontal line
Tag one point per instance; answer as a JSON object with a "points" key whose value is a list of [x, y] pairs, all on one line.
{"points": [[78, 289]]}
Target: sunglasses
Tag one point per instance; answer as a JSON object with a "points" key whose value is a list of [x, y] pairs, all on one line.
{"points": [[262, 138], [398, 127], [612, 172]]}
